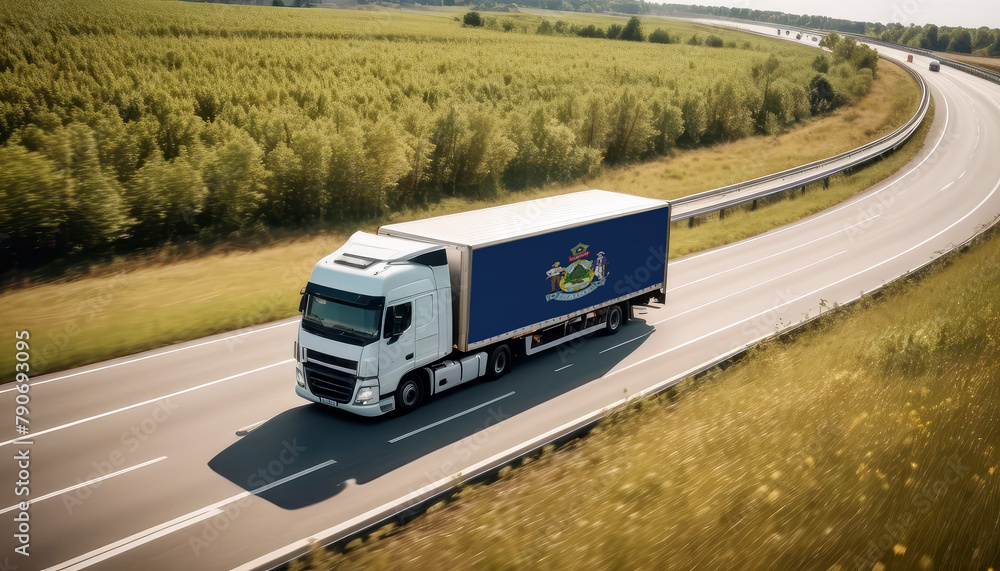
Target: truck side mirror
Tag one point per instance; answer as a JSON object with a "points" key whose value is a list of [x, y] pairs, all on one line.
{"points": [[302, 300]]}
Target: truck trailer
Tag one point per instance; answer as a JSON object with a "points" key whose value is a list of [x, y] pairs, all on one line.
{"points": [[421, 307]]}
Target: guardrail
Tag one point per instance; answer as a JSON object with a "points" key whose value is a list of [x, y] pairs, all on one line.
{"points": [[748, 191]]}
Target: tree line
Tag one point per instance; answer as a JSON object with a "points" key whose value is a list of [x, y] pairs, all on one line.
{"points": [[114, 139], [981, 41]]}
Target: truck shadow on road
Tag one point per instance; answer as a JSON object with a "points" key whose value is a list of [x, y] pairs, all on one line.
{"points": [[364, 449]]}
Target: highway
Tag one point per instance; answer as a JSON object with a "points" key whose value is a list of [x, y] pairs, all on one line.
{"points": [[200, 456]]}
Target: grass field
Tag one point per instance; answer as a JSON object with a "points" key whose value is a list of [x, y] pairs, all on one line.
{"points": [[870, 442], [119, 309]]}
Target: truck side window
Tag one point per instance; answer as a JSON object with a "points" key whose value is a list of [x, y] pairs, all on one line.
{"points": [[402, 314]]}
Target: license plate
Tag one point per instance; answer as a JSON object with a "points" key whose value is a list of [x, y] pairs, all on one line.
{"points": [[328, 401]]}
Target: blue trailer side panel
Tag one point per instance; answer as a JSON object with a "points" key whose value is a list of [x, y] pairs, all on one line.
{"points": [[519, 283]]}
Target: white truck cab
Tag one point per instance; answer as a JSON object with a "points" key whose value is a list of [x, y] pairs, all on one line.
{"points": [[372, 311]]}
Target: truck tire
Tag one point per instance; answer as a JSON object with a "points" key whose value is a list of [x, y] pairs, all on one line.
{"points": [[499, 363], [409, 393], [613, 320]]}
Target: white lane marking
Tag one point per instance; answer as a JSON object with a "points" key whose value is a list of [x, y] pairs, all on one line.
{"points": [[971, 82], [802, 245], [835, 209], [150, 401], [814, 292], [625, 342], [158, 531], [85, 484], [561, 368], [37, 383], [947, 186], [452, 417], [717, 300]]}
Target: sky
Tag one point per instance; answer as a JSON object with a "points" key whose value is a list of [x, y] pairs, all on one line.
{"points": [[967, 13]]}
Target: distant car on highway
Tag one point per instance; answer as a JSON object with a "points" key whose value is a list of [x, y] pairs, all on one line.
{"points": [[935, 65]]}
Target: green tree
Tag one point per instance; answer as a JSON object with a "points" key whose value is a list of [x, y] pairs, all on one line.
{"points": [[668, 125], [844, 50], [633, 31], [695, 118], [982, 38], [32, 204], [165, 198], [830, 41], [95, 212], [929, 41], [614, 30], [629, 128], [994, 50], [961, 42], [235, 178]]}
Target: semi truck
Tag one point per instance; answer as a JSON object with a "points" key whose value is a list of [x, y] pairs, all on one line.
{"points": [[421, 307]]}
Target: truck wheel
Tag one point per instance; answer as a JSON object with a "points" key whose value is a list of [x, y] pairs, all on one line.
{"points": [[614, 319], [499, 363], [409, 393]]}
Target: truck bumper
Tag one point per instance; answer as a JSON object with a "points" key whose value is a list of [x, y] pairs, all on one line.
{"points": [[378, 409]]}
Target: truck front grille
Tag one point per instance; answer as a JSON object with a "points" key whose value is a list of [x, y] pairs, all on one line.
{"points": [[331, 361], [329, 383]]}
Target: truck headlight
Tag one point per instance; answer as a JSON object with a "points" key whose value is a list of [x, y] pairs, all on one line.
{"points": [[368, 393], [299, 379]]}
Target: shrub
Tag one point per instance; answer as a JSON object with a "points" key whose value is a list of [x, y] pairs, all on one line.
{"points": [[821, 94], [590, 31], [714, 42], [821, 63], [473, 19], [695, 40], [659, 36], [614, 30]]}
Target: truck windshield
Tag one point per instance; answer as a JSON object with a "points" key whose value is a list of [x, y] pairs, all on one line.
{"points": [[338, 319]]}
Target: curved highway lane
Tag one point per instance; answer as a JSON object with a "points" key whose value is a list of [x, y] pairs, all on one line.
{"points": [[201, 456]]}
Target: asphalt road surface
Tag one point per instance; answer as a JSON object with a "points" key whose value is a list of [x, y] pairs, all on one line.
{"points": [[200, 456]]}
